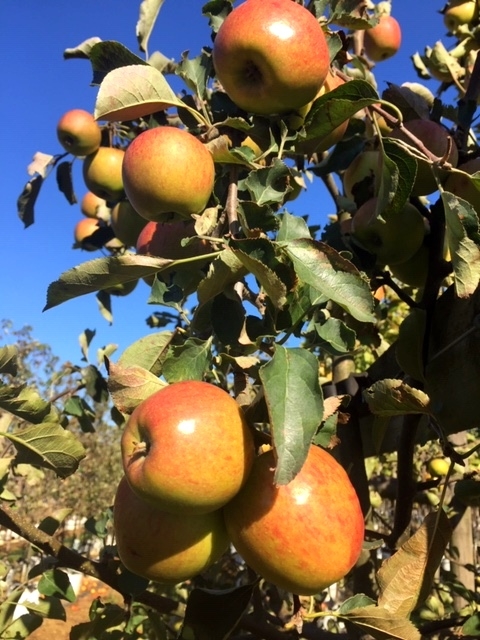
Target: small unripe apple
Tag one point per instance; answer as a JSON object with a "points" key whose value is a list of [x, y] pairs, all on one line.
{"points": [[271, 56], [102, 173], [458, 13], [165, 547], [359, 177], [126, 223], [383, 40], [84, 229], [462, 186], [438, 467], [168, 170], [78, 132], [187, 448], [302, 536], [91, 204]]}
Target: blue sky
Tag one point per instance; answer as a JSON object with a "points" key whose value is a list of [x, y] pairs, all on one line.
{"points": [[39, 86]]}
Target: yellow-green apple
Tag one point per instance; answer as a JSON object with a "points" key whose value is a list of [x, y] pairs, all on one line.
{"points": [[165, 547], [85, 229], [187, 448], [383, 40], [126, 223], [166, 170], [102, 173], [91, 205], [78, 132], [413, 272], [458, 13], [303, 536], [438, 467], [359, 177], [462, 186], [393, 240], [437, 139], [270, 56]]}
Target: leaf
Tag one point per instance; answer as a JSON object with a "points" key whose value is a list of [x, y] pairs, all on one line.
{"points": [[472, 626], [133, 92], [268, 184], [213, 615], [22, 627], [196, 72], [336, 337], [291, 375], [380, 624], [40, 163], [26, 201], [291, 228], [148, 14], [110, 55], [47, 607], [149, 352], [101, 273], [26, 403], [129, 386], [396, 398], [56, 583], [324, 269], [189, 361], [357, 601], [462, 234], [225, 269], [65, 181], [82, 50], [78, 407], [48, 446], [8, 359], [405, 168], [51, 523], [406, 578]]}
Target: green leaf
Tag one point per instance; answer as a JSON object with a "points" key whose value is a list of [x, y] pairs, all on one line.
{"points": [[105, 56], [462, 239], [26, 201], [134, 92], [336, 337], [65, 181], [398, 176], [78, 407], [355, 602], [47, 607], [406, 578], [196, 72], [56, 583], [82, 50], [49, 446], [268, 184], [22, 627], [472, 626], [295, 406], [129, 386], [148, 14], [26, 403], [101, 273], [8, 360], [51, 523], [149, 352], [292, 228], [225, 269], [380, 624], [188, 361], [393, 397], [214, 614], [324, 269]]}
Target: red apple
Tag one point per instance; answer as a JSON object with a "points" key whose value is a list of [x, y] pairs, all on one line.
{"points": [[383, 40], [270, 56], [303, 536], [165, 547], [187, 448], [78, 132], [167, 170]]}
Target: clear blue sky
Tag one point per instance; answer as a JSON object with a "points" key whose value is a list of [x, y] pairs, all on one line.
{"points": [[38, 86]]}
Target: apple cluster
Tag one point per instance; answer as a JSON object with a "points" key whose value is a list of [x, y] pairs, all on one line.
{"points": [[194, 484]]}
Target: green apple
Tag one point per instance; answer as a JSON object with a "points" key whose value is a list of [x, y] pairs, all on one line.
{"points": [[187, 448], [393, 240], [165, 547], [458, 13], [302, 536], [102, 173], [78, 132], [270, 56], [359, 177], [413, 272], [462, 186], [126, 223], [438, 467], [383, 40], [168, 170]]}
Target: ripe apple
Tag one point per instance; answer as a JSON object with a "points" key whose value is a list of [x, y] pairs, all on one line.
{"points": [[166, 170], [165, 547], [78, 132], [91, 204], [84, 229], [461, 185], [359, 176], [436, 138], [394, 240], [383, 40], [303, 536], [126, 223], [102, 173], [187, 448], [438, 467], [270, 56], [458, 13]]}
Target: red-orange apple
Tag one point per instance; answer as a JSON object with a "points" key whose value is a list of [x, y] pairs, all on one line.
{"points": [[91, 204], [303, 536], [78, 132], [102, 173], [84, 229], [126, 223], [165, 547], [383, 40], [271, 56], [187, 448], [165, 170]]}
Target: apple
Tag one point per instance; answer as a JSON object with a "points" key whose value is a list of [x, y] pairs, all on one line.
{"points": [[167, 170], [438, 467], [393, 240], [436, 138], [165, 547], [383, 40], [91, 204], [359, 177], [303, 536], [187, 448], [270, 56], [78, 132], [126, 223], [412, 272], [461, 185], [102, 173], [458, 13], [84, 229]]}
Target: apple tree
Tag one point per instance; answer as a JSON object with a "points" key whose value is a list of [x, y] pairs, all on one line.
{"points": [[359, 337]]}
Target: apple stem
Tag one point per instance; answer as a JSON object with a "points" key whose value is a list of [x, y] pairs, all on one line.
{"points": [[231, 204]]}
